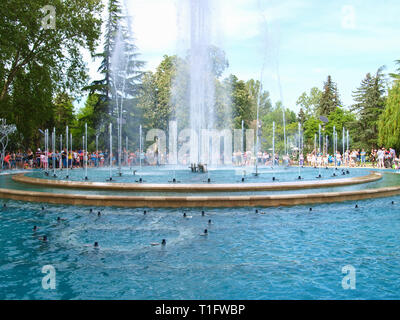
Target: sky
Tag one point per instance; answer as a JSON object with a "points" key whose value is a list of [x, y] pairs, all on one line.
{"points": [[291, 45]]}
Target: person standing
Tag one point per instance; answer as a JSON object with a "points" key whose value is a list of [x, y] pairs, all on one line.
{"points": [[362, 155]]}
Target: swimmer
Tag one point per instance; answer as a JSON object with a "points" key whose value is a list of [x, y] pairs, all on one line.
{"points": [[60, 219], [209, 221], [42, 208], [356, 206], [4, 206], [205, 232], [44, 238], [202, 213], [91, 210], [99, 214], [144, 212], [96, 244], [35, 228], [163, 243], [186, 216]]}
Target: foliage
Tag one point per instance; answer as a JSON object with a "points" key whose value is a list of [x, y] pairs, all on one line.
{"points": [[389, 121], [310, 103], [329, 99], [276, 115], [370, 102]]}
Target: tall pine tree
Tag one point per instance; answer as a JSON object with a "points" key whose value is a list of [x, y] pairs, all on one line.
{"points": [[329, 99], [120, 69]]}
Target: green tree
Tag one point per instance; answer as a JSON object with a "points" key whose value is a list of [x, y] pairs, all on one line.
{"points": [[370, 102], [63, 111], [389, 121], [254, 87], [276, 115], [38, 63], [310, 102], [241, 102], [25, 44], [120, 68], [329, 99], [396, 76]]}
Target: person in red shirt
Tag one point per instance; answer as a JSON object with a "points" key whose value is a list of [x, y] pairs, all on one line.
{"points": [[7, 160]]}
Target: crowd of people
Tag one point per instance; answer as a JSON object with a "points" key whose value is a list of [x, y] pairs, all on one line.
{"points": [[377, 158], [73, 159]]}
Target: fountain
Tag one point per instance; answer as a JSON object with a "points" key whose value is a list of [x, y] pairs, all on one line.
{"points": [[93, 249], [201, 117]]}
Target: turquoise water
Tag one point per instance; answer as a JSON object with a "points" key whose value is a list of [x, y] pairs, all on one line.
{"points": [[288, 253], [166, 174]]}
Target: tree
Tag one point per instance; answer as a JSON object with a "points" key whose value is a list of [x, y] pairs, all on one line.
{"points": [[301, 117], [257, 97], [241, 102], [120, 68], [38, 63], [396, 76], [339, 118], [389, 121], [276, 115], [310, 102], [5, 131], [311, 128], [25, 44], [370, 102], [329, 99], [155, 99], [63, 112]]}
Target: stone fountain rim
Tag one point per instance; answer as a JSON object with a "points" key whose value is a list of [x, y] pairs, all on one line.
{"points": [[198, 201], [232, 187]]}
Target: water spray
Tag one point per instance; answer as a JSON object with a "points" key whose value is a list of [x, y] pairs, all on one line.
{"points": [[86, 153], [54, 151], [66, 144]]}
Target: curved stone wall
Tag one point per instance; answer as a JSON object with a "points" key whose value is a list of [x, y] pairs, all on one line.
{"points": [[198, 201], [238, 187]]}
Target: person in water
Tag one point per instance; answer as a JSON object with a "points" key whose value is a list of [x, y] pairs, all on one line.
{"points": [[205, 232], [44, 238], [163, 243]]}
